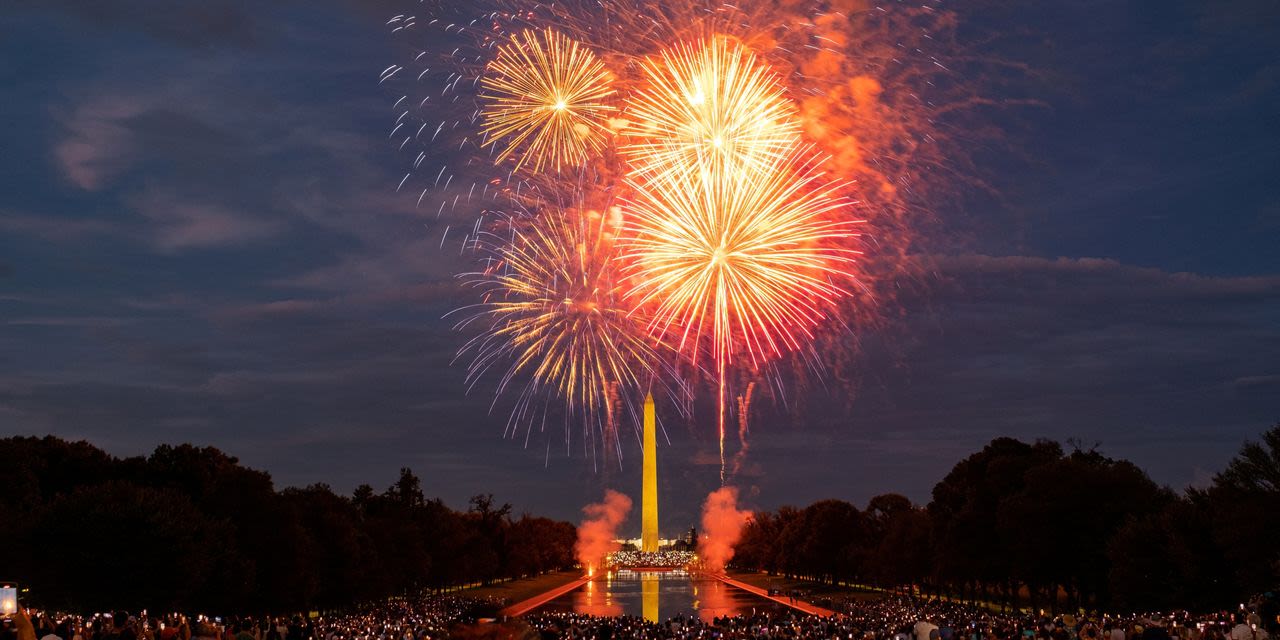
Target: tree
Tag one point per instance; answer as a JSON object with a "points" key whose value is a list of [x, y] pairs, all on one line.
{"points": [[969, 543], [191, 527], [1057, 526], [759, 546], [1168, 560], [1256, 469], [407, 491], [341, 560], [903, 554], [1245, 504], [130, 538]]}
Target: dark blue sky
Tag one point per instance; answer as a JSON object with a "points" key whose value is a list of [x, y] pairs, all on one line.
{"points": [[201, 241]]}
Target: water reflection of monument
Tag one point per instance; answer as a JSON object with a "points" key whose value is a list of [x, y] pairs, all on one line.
{"points": [[649, 596], [658, 595], [651, 561]]}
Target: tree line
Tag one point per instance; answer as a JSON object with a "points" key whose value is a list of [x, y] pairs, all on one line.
{"points": [[190, 527], [1031, 524]]}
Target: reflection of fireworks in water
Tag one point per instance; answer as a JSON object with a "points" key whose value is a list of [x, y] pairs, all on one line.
{"points": [[552, 315], [735, 245], [546, 93]]}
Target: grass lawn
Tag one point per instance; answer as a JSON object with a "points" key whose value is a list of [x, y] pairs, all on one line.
{"points": [[815, 591], [520, 590]]}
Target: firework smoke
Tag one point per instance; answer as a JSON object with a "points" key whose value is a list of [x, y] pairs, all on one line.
{"points": [[722, 525], [743, 144], [599, 529]]}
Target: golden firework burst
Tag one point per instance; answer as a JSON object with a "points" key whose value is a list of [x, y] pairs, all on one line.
{"points": [[553, 313], [710, 104], [546, 101], [737, 262]]}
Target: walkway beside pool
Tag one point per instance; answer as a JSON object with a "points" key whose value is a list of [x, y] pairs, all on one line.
{"points": [[523, 607], [794, 604]]}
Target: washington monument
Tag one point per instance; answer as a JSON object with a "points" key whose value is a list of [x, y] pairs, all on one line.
{"points": [[649, 490]]}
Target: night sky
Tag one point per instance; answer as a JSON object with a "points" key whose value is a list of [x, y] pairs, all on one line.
{"points": [[201, 241]]}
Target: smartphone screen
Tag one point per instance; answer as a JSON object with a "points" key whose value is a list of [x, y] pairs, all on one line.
{"points": [[8, 599]]}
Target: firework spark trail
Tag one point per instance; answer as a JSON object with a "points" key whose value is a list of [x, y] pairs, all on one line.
{"points": [[737, 263], [744, 411], [735, 243], [553, 313], [708, 105], [697, 117], [742, 263], [547, 95]]}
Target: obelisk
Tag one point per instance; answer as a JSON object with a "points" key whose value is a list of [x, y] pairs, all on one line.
{"points": [[649, 490]]}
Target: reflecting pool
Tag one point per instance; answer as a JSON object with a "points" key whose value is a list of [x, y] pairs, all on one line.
{"points": [[657, 596]]}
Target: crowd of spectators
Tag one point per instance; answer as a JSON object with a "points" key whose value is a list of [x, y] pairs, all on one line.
{"points": [[433, 617], [906, 619], [658, 559], [426, 618]]}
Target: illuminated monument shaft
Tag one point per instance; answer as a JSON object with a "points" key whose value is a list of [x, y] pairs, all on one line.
{"points": [[649, 490]]}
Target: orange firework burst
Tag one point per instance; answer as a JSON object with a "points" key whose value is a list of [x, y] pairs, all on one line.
{"points": [[738, 263], [734, 246], [709, 105], [553, 313], [546, 96]]}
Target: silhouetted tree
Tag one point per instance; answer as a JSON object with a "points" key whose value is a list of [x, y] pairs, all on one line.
{"points": [[190, 526], [1244, 501], [1168, 559], [969, 542], [111, 544], [1057, 527]]}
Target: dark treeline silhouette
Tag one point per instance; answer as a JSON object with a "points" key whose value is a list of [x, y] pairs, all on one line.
{"points": [[1030, 524], [191, 527]]}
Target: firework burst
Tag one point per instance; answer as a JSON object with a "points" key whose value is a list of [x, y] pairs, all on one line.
{"points": [[737, 263], [546, 98], [713, 126], [553, 315], [708, 105]]}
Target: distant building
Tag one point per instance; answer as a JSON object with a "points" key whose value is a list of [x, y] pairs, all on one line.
{"points": [[688, 543]]}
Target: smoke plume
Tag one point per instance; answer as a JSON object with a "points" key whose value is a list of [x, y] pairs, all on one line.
{"points": [[722, 524], [599, 528]]}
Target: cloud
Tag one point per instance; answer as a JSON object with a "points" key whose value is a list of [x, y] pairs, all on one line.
{"points": [[177, 223], [1106, 279], [399, 264], [1258, 383], [1171, 370], [319, 351], [98, 144], [192, 25], [70, 321], [53, 228]]}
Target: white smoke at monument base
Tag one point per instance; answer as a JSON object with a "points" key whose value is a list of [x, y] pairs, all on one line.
{"points": [[597, 535], [722, 524]]}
